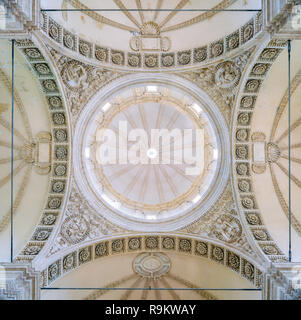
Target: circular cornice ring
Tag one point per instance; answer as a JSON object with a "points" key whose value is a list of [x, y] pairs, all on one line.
{"points": [[220, 128]]}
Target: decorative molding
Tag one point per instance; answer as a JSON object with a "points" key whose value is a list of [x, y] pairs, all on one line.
{"points": [[26, 14], [81, 132], [282, 282], [80, 223], [59, 148], [153, 243], [81, 81], [106, 57], [19, 281], [243, 142], [220, 81], [222, 223]]}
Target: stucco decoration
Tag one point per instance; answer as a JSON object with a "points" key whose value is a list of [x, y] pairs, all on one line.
{"points": [[134, 60], [81, 81], [221, 80], [80, 223], [182, 244], [59, 147], [19, 281], [243, 144]]}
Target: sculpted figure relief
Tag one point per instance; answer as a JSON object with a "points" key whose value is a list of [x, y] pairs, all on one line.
{"points": [[221, 81], [226, 228]]}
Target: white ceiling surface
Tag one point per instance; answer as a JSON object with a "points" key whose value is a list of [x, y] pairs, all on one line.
{"points": [[201, 272], [120, 184], [189, 37], [268, 100], [152, 191], [35, 193]]}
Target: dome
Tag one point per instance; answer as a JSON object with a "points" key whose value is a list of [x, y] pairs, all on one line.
{"points": [[151, 153]]}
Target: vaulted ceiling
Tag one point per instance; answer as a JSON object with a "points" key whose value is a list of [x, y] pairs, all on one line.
{"points": [[83, 223]]}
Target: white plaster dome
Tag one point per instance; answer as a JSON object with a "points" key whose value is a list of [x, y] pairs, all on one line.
{"points": [[150, 155]]}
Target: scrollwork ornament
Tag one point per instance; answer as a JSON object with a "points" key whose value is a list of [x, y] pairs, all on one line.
{"points": [[74, 75], [184, 57], [54, 31], [117, 57], [69, 262], [248, 203], [201, 248], [41, 235], [53, 271], [253, 219], [167, 60], [101, 54], [68, 41], [58, 118], [84, 255], [260, 235], [249, 270], [260, 69], [185, 245], [233, 261], [33, 53], [151, 242], [242, 135], [244, 186], [269, 54], [61, 153], [84, 48], [61, 135], [242, 152], [58, 186], [168, 243], [270, 250], [217, 254], [200, 54], [49, 85], [32, 250], [49, 219], [101, 249], [134, 244], [151, 60], [217, 49], [60, 170], [233, 41], [42, 69], [54, 203], [242, 169], [55, 102], [252, 85], [134, 60], [248, 32], [247, 102], [117, 245], [244, 118]]}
